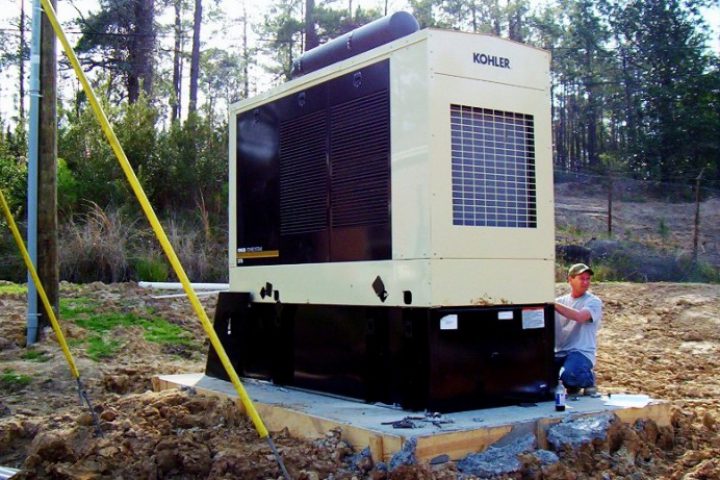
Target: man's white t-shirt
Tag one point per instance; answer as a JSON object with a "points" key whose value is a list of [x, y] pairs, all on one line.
{"points": [[578, 337]]}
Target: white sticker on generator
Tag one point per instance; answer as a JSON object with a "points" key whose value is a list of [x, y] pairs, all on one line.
{"points": [[533, 318], [505, 315], [449, 322]]}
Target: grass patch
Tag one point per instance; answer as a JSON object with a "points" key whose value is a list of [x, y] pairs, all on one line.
{"points": [[13, 382], [13, 288], [98, 347], [156, 329], [87, 313], [70, 308], [35, 356]]}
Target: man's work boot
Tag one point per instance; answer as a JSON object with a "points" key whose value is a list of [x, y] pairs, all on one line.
{"points": [[590, 391]]}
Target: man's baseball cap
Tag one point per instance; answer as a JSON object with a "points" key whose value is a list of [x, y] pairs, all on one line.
{"points": [[579, 268]]}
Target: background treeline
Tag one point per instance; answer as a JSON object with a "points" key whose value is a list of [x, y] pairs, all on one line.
{"points": [[635, 90]]}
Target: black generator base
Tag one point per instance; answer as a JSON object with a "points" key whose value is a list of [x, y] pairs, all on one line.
{"points": [[440, 359]]}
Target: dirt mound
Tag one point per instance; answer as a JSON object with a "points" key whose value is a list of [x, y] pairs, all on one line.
{"points": [[175, 434]]}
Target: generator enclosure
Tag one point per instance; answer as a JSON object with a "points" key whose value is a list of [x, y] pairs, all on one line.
{"points": [[392, 226]]}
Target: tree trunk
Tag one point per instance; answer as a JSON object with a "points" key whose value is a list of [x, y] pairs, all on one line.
{"points": [[311, 36], [177, 64], [47, 264], [195, 57], [146, 30], [141, 50], [246, 55], [21, 61], [514, 22]]}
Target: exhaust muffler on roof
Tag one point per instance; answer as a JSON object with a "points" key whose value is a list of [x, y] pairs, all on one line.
{"points": [[379, 32]]}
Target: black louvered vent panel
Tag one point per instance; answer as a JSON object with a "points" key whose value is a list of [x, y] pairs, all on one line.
{"points": [[360, 161], [303, 175]]}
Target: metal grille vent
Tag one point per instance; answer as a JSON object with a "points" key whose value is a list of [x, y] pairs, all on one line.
{"points": [[493, 168], [303, 174], [360, 161]]}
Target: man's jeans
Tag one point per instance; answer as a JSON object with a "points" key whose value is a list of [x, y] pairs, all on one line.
{"points": [[577, 372]]}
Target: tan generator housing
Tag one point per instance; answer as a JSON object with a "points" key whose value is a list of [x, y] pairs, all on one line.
{"points": [[391, 223], [434, 175]]}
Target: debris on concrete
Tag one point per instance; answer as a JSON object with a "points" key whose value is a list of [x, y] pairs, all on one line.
{"points": [[402, 423], [414, 421]]}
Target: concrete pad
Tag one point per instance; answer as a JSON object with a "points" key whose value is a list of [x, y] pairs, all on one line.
{"points": [[311, 415]]}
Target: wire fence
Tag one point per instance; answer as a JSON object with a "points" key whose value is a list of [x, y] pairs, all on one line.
{"points": [[626, 188], [640, 230]]}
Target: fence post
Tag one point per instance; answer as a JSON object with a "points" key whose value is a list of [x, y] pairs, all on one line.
{"points": [[610, 205], [696, 231]]}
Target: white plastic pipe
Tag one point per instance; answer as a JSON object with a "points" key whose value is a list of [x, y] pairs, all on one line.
{"points": [[178, 286]]}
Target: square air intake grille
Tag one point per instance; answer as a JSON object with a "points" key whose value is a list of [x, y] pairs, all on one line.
{"points": [[493, 168]]}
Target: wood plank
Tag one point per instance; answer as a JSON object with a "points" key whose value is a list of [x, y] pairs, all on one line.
{"points": [[458, 444]]}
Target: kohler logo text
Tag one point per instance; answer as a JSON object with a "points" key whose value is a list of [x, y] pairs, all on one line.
{"points": [[492, 60]]}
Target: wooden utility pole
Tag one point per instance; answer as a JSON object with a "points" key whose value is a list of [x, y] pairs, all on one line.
{"points": [[47, 261]]}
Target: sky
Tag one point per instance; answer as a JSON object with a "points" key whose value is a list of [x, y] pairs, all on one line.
{"points": [[67, 10]]}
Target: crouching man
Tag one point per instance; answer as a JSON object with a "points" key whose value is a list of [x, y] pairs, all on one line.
{"points": [[578, 316]]}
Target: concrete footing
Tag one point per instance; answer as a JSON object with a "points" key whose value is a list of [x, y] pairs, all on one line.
{"points": [[384, 429]]}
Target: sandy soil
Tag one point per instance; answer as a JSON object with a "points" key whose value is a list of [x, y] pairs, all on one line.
{"points": [[659, 339]]}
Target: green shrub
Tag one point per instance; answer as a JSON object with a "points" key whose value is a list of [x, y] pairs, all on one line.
{"points": [[701, 272], [604, 273], [152, 269], [12, 266], [67, 189]]}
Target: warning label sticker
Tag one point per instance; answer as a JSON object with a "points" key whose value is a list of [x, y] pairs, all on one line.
{"points": [[533, 318]]}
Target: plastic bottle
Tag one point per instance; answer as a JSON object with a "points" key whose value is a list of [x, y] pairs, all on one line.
{"points": [[560, 395]]}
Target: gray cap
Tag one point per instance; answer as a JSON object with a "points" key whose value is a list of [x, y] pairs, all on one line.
{"points": [[579, 268]]}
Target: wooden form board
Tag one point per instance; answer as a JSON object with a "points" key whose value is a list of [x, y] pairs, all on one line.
{"points": [[384, 442]]}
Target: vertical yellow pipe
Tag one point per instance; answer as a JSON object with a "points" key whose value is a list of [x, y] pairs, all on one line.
{"points": [[155, 223]]}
